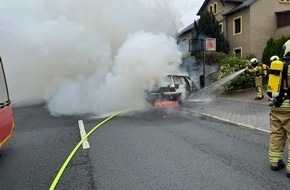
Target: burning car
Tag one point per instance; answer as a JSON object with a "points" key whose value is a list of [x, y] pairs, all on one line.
{"points": [[171, 87]]}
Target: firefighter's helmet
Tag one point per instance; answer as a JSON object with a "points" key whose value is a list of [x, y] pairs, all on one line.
{"points": [[286, 49], [254, 61], [274, 58]]}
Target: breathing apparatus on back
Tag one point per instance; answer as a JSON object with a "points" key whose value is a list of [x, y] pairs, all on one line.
{"points": [[279, 78], [275, 78]]}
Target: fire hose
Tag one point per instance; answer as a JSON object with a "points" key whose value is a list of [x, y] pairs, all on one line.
{"points": [[62, 169]]}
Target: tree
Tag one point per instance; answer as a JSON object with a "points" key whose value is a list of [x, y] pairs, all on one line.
{"points": [[209, 26], [274, 47]]}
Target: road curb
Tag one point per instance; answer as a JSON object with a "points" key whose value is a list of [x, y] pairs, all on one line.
{"points": [[229, 121]]}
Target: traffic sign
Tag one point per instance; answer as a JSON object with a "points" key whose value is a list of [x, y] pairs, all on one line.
{"points": [[210, 44]]}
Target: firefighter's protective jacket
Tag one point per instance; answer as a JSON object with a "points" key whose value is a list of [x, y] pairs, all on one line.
{"points": [[257, 70]]}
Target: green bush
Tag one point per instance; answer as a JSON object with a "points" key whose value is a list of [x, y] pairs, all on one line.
{"points": [[210, 57], [230, 65], [274, 47]]}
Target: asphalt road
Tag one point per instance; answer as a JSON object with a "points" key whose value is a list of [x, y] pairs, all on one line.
{"points": [[37, 149], [151, 149]]}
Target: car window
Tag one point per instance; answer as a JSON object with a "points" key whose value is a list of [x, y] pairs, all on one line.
{"points": [[188, 81], [177, 80], [182, 80], [165, 81]]}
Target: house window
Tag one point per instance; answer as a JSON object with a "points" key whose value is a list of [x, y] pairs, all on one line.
{"points": [[215, 8], [283, 19], [284, 1], [237, 25], [210, 9], [182, 45], [197, 44], [190, 45], [238, 52]]}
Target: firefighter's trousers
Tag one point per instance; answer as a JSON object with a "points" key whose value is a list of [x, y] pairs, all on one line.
{"points": [[280, 132], [259, 86]]}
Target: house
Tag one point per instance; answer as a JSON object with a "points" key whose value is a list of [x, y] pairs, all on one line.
{"points": [[189, 43], [184, 41], [249, 24]]}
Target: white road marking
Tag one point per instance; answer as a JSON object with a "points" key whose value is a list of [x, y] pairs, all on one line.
{"points": [[83, 133]]}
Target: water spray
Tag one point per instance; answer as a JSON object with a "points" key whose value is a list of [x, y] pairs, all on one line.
{"points": [[216, 85]]}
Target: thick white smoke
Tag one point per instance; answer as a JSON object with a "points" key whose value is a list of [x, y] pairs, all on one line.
{"points": [[88, 56]]}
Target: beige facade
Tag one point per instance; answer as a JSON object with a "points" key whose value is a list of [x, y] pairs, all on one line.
{"points": [[249, 24]]}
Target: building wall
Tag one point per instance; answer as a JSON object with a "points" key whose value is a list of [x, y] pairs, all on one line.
{"points": [[186, 37], [241, 40], [222, 8], [281, 31], [263, 24], [284, 30], [259, 24]]}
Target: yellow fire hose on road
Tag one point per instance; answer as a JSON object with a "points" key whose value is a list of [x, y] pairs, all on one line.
{"points": [[62, 169]]}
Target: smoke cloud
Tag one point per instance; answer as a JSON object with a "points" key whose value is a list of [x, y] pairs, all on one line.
{"points": [[86, 57]]}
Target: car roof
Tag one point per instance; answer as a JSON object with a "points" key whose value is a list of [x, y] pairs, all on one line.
{"points": [[179, 75]]}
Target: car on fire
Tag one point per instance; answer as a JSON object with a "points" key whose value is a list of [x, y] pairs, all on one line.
{"points": [[170, 87]]}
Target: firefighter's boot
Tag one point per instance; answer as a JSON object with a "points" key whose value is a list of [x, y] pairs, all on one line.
{"points": [[279, 165]]}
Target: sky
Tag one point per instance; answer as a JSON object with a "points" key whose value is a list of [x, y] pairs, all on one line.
{"points": [[189, 9], [89, 57]]}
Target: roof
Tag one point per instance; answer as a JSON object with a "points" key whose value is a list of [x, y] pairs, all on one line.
{"points": [[233, 1], [202, 7], [188, 28], [241, 4]]}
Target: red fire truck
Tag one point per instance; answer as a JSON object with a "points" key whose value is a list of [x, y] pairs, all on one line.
{"points": [[6, 116]]}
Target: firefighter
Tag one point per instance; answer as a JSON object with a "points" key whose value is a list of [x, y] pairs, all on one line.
{"points": [[257, 70], [280, 115], [274, 58]]}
